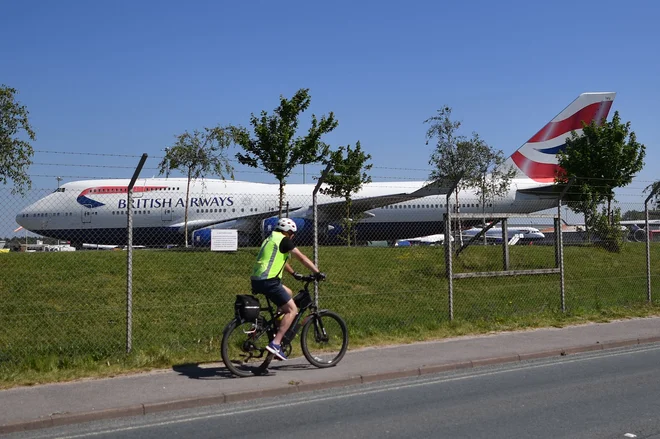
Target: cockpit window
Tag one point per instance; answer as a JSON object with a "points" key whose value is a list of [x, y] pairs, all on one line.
{"points": [[59, 189]]}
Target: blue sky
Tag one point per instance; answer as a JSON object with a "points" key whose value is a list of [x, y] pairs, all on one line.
{"points": [[123, 78]]}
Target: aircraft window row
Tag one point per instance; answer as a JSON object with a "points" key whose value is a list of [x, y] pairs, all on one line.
{"points": [[429, 206], [44, 214], [135, 212], [418, 206], [90, 213], [152, 189], [252, 209], [212, 210], [112, 189], [125, 190]]}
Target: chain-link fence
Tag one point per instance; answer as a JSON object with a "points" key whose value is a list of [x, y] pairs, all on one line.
{"points": [[386, 268]]}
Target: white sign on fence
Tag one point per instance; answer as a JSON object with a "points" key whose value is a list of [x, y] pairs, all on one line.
{"points": [[224, 240]]}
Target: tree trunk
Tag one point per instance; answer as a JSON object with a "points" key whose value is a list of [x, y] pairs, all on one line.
{"points": [[458, 222], [483, 210], [349, 223], [586, 226], [483, 205], [279, 215]]}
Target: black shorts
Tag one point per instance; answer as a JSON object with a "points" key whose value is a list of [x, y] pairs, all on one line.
{"points": [[271, 288]]}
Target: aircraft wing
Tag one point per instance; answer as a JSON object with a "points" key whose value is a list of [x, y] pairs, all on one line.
{"points": [[327, 211], [548, 191], [336, 209]]}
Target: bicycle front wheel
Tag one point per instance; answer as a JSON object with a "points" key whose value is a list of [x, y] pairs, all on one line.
{"points": [[243, 348], [324, 339]]}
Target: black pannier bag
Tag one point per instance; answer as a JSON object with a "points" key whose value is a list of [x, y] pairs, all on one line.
{"points": [[302, 299], [247, 307]]}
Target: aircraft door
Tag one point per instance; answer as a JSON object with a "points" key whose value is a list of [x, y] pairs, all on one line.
{"points": [[138, 191], [272, 206], [86, 214], [166, 214]]}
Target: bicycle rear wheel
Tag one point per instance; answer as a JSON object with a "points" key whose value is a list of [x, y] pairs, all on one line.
{"points": [[243, 348], [324, 339]]}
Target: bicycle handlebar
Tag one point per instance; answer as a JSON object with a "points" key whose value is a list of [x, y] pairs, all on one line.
{"points": [[310, 278]]}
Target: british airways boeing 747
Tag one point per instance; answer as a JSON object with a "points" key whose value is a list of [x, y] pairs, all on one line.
{"points": [[94, 211]]}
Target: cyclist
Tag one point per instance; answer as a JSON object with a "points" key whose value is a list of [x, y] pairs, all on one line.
{"points": [[266, 277]]}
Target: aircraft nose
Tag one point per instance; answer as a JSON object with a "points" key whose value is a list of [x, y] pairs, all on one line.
{"points": [[25, 218], [21, 218]]}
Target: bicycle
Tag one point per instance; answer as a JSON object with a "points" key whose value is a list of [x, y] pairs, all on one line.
{"points": [[323, 334]]}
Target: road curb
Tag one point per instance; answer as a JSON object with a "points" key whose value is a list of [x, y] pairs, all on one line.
{"points": [[60, 419]]}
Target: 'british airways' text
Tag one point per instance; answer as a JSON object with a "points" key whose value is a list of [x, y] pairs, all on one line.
{"points": [[155, 203]]}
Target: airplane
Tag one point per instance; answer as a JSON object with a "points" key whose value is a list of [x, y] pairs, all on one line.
{"points": [[522, 234], [437, 239], [95, 211]]}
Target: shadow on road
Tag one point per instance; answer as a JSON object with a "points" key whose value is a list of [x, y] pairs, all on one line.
{"points": [[196, 372]]}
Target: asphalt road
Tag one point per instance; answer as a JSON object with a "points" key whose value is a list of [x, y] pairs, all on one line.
{"points": [[607, 394]]}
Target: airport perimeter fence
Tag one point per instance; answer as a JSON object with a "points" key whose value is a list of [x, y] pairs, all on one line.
{"points": [[389, 282]]}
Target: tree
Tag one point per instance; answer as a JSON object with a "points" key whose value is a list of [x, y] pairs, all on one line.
{"points": [[607, 226], [582, 198], [15, 152], [654, 188], [346, 177], [197, 154], [606, 156], [275, 149], [468, 161], [633, 215]]}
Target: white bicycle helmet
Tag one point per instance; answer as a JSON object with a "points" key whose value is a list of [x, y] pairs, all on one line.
{"points": [[286, 225]]}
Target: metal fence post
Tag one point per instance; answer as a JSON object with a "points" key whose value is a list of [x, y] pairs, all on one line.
{"points": [[559, 252], [129, 262], [316, 228], [505, 243], [448, 264], [648, 244], [448, 250], [560, 246]]}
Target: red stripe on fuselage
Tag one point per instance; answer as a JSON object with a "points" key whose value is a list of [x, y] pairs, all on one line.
{"points": [[105, 190]]}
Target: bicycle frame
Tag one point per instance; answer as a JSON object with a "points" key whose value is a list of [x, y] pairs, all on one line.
{"points": [[298, 322]]}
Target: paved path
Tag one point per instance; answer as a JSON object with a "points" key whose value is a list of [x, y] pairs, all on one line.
{"points": [[48, 405]]}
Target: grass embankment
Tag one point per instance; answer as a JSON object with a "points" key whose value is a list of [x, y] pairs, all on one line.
{"points": [[64, 314]]}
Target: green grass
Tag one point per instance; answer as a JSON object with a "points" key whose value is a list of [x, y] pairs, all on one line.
{"points": [[64, 314]]}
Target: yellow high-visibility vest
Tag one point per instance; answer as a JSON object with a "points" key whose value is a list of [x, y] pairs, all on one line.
{"points": [[270, 261]]}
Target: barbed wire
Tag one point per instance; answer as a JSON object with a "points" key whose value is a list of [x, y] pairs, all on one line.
{"points": [[86, 165], [87, 153], [313, 177], [231, 160], [312, 165]]}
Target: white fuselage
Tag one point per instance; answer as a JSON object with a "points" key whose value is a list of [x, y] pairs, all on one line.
{"points": [[85, 211]]}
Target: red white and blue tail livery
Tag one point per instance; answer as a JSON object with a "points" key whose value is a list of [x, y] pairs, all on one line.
{"points": [[537, 159]]}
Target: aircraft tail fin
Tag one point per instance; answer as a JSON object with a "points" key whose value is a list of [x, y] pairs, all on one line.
{"points": [[537, 158]]}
